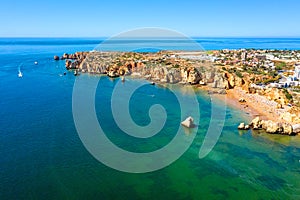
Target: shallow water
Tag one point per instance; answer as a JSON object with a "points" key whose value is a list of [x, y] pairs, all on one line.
{"points": [[42, 156]]}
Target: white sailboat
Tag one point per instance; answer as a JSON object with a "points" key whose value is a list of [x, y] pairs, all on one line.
{"points": [[20, 75]]}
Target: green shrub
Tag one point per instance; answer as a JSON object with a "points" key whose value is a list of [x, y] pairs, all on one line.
{"points": [[280, 66], [176, 66], [239, 74], [287, 94]]}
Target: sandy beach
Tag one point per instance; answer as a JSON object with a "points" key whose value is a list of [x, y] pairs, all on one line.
{"points": [[255, 105]]}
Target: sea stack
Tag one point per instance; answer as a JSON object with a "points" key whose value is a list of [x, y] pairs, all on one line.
{"points": [[188, 122]]}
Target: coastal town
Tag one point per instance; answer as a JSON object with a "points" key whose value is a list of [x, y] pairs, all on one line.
{"points": [[264, 83], [283, 65]]}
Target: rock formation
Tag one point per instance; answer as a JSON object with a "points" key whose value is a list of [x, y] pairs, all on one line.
{"points": [[242, 126], [193, 76], [296, 128], [274, 127], [188, 122]]}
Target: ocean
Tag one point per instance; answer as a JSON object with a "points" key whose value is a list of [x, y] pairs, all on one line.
{"points": [[42, 156]]}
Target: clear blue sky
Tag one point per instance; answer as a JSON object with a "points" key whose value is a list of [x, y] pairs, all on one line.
{"points": [[95, 18]]}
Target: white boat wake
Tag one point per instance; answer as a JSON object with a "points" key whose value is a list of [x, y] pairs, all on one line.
{"points": [[20, 74]]}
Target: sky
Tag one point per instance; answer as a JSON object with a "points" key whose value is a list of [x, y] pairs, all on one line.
{"points": [[196, 18]]}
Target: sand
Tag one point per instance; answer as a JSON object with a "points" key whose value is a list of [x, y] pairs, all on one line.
{"points": [[255, 105]]}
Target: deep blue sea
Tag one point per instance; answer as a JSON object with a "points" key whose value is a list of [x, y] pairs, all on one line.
{"points": [[43, 157]]}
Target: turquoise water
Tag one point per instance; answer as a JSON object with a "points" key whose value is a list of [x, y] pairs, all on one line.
{"points": [[42, 157]]}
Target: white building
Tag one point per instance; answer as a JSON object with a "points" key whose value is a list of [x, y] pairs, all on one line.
{"points": [[297, 72]]}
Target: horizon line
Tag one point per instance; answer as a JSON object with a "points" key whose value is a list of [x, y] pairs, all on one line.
{"points": [[106, 37]]}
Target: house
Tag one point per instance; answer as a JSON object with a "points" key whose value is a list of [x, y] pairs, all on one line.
{"points": [[261, 57], [297, 71], [244, 56]]}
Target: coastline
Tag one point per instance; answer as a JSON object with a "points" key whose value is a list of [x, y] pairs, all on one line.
{"points": [[269, 106], [255, 105]]}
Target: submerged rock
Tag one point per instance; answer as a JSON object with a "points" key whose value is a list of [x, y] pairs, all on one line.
{"points": [[189, 122]]}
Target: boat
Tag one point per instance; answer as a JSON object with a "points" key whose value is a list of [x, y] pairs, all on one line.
{"points": [[20, 75]]}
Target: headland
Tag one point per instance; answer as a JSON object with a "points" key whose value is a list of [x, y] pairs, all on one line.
{"points": [[263, 83]]}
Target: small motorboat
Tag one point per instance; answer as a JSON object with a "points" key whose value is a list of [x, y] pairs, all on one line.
{"points": [[123, 79], [20, 75], [36, 63]]}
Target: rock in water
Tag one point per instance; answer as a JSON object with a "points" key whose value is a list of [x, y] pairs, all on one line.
{"points": [[241, 126], [68, 64], [56, 58], [287, 129], [256, 123], [189, 122], [273, 127]]}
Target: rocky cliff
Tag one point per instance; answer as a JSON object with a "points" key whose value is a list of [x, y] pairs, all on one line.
{"points": [[154, 67]]}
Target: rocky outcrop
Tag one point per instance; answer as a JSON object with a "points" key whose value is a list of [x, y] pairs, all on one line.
{"points": [[256, 123], [242, 100], [171, 75], [68, 64], [219, 81], [287, 129], [242, 126], [75, 56], [290, 117], [273, 127], [193, 76], [296, 128], [275, 94], [73, 61], [113, 72], [116, 64]]}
